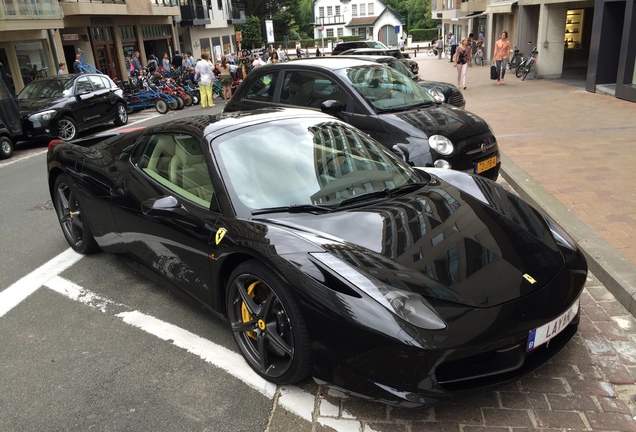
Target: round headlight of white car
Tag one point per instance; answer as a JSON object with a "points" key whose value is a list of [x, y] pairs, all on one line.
{"points": [[441, 144], [436, 94], [441, 163]]}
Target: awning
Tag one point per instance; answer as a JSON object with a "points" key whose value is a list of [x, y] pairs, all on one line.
{"points": [[500, 7], [469, 16]]}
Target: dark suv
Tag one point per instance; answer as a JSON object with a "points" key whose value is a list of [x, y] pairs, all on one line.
{"points": [[381, 101], [344, 46]]}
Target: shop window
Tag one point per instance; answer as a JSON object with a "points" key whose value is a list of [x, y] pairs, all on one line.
{"points": [[33, 60], [573, 28]]}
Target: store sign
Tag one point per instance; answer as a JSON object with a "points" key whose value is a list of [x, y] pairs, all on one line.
{"points": [[70, 36]]}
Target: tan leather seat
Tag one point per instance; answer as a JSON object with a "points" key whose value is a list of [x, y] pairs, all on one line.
{"points": [[189, 171]]}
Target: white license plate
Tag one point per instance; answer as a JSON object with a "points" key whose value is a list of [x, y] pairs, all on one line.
{"points": [[543, 334]]}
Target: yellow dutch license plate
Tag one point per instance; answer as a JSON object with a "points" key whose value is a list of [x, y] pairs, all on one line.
{"points": [[485, 165]]}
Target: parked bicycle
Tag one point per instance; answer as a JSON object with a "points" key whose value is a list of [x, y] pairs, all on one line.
{"points": [[525, 67], [516, 59], [478, 58]]}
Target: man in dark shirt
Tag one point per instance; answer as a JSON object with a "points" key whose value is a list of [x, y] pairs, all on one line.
{"points": [[76, 64], [177, 60]]}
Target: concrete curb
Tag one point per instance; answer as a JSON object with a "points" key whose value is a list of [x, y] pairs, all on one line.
{"points": [[610, 266]]}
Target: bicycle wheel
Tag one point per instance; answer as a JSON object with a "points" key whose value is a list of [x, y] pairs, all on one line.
{"points": [[526, 71], [519, 69], [447, 52], [479, 59], [431, 52]]}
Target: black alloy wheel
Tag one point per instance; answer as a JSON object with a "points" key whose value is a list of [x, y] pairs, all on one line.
{"points": [[267, 325], [68, 210]]}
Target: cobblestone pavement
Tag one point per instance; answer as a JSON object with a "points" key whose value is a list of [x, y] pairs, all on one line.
{"points": [[572, 153]]}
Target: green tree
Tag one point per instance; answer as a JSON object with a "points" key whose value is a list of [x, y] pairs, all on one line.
{"points": [[252, 36]]}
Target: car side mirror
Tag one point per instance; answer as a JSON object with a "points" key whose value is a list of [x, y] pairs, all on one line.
{"points": [[403, 153], [332, 107], [169, 207]]}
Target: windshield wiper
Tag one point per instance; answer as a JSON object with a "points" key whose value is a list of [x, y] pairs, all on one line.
{"points": [[399, 190], [295, 208]]}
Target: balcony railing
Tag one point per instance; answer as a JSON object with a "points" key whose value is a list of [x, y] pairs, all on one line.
{"points": [[329, 20], [30, 9], [95, 1], [164, 2]]}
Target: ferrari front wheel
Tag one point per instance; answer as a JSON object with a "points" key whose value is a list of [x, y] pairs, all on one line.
{"points": [[267, 325], [69, 213]]}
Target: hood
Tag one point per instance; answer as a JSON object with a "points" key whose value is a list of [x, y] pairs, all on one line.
{"points": [[479, 246], [438, 85], [454, 123], [28, 106]]}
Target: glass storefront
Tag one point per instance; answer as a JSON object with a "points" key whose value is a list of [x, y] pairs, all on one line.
{"points": [[33, 60]]}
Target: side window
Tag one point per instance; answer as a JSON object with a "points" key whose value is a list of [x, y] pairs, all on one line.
{"points": [[82, 85], [177, 162], [262, 89], [309, 89], [97, 82]]}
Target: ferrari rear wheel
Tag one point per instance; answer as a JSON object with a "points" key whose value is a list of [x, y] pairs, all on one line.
{"points": [[69, 213], [267, 325]]}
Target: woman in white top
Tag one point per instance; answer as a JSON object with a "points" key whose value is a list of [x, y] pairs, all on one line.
{"points": [[206, 77]]}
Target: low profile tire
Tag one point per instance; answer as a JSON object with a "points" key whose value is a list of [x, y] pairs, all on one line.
{"points": [[67, 129], [161, 106], [267, 325], [69, 214], [122, 115], [6, 147]]}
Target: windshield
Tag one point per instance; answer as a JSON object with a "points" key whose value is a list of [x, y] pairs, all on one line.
{"points": [[44, 89], [305, 162], [385, 88]]}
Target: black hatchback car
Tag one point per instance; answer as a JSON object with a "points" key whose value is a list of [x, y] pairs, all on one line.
{"points": [[380, 101], [63, 105]]}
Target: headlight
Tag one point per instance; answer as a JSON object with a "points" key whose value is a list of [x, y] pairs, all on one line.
{"points": [[409, 306], [440, 144], [437, 95], [42, 116], [560, 236]]}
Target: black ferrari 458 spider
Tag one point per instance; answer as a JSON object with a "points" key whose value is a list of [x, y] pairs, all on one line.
{"points": [[327, 255]]}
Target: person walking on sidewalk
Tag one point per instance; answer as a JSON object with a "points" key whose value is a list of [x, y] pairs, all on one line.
{"points": [[453, 46], [500, 56], [440, 48], [462, 63]]}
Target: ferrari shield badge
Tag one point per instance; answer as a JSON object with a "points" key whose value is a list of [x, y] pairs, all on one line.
{"points": [[219, 235]]}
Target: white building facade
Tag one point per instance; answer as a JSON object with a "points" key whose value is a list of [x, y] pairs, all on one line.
{"points": [[368, 19]]}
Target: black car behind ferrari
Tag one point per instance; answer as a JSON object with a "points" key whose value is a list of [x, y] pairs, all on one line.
{"points": [[403, 57], [61, 106], [440, 91], [380, 101], [327, 254]]}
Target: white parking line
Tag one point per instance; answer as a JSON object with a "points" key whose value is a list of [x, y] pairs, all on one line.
{"points": [[291, 398]]}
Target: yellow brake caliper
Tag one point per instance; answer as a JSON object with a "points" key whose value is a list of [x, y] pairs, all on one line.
{"points": [[244, 312]]}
